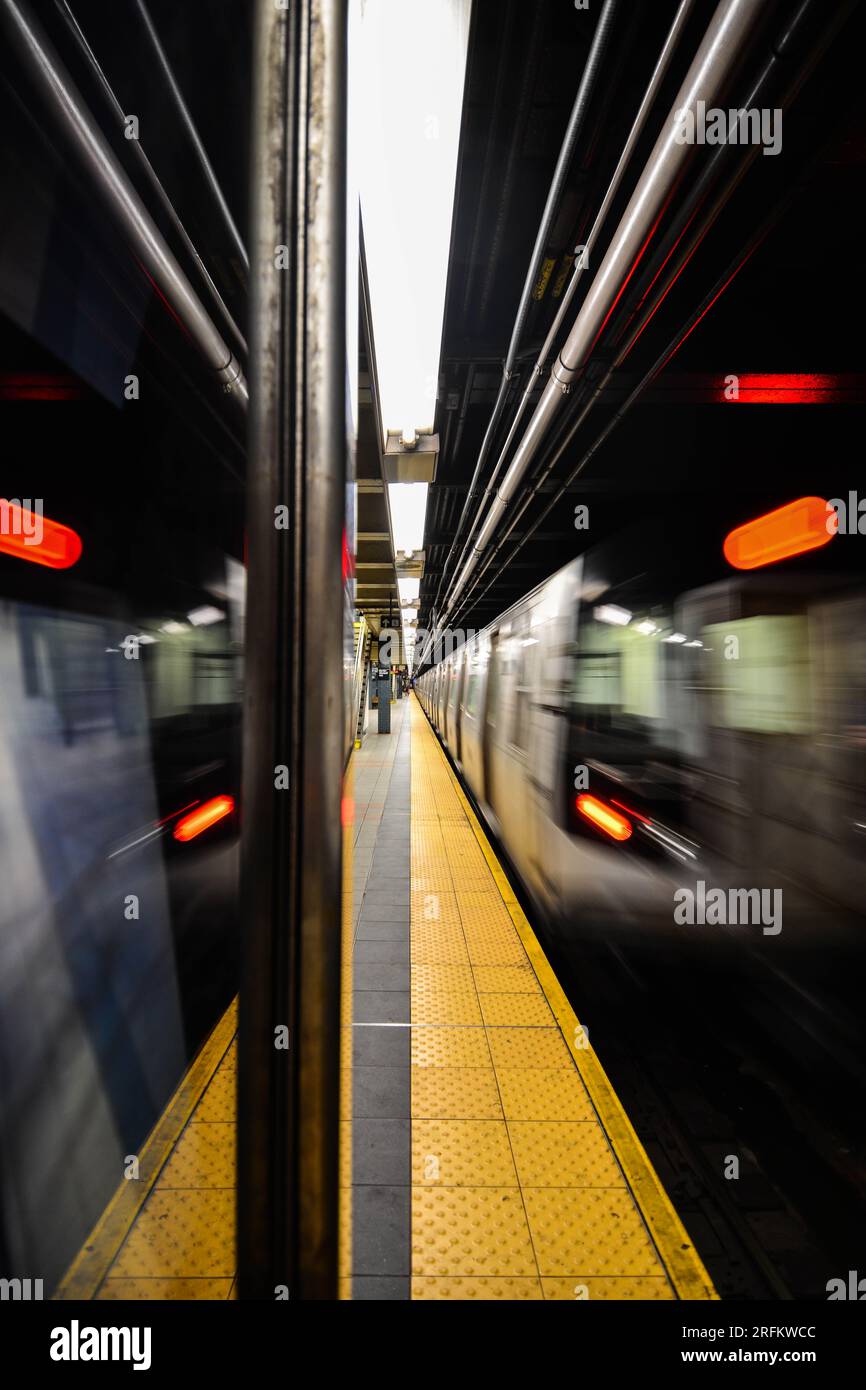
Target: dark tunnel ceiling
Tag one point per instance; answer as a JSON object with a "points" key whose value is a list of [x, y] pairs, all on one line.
{"points": [[796, 307]]}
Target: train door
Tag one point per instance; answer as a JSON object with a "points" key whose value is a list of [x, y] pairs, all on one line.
{"points": [[488, 731], [457, 699]]}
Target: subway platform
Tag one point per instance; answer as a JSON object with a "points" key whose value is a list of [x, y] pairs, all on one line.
{"points": [[484, 1149], [491, 1158]]}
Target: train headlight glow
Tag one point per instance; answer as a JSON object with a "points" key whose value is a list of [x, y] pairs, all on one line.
{"points": [[203, 817], [604, 817]]}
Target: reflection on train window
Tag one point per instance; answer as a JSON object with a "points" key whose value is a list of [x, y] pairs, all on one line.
{"points": [[767, 688], [523, 645], [493, 678], [472, 686], [618, 676]]}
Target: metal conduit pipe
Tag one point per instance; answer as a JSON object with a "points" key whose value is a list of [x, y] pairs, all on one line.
{"points": [[726, 36], [658, 75], [582, 100], [40, 60], [150, 173], [706, 304], [779, 52], [652, 297], [721, 284], [195, 139]]}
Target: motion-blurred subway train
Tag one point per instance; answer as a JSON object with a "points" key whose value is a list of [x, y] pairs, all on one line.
{"points": [[652, 725], [121, 630]]}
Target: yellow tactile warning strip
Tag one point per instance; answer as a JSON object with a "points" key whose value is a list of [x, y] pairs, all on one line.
{"points": [[171, 1233], [344, 1198], [528, 1181]]}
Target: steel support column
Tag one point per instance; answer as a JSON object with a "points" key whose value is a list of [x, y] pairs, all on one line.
{"points": [[294, 701]]}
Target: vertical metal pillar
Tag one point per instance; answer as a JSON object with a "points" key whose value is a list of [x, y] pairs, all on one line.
{"points": [[384, 687], [294, 716]]}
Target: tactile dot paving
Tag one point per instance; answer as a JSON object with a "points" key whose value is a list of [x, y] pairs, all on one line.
{"points": [[457, 1093], [486, 910], [470, 1231], [451, 979], [516, 1011], [435, 909], [477, 1290], [344, 1157], [459, 1010], [472, 1240], [490, 934], [461, 1153], [575, 1288], [506, 979], [204, 1156], [543, 1094], [494, 952], [450, 1047], [595, 1230], [181, 1233], [187, 1290], [529, 1047], [429, 951], [563, 1154], [219, 1102]]}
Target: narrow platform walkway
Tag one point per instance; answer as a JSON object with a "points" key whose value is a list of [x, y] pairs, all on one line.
{"points": [[525, 1179], [170, 1233], [489, 1155]]}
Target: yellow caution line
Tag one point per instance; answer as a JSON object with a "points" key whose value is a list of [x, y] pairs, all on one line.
{"points": [[679, 1256], [90, 1266]]}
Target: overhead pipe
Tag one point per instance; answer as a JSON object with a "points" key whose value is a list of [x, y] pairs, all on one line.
{"points": [[42, 63], [720, 285], [150, 173], [582, 100], [758, 96], [192, 131], [652, 298], [727, 34], [658, 75]]}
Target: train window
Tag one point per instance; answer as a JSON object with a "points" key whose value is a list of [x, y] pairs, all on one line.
{"points": [[493, 680], [523, 686], [767, 689], [618, 674], [474, 675]]}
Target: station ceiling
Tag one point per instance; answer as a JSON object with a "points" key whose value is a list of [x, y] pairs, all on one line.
{"points": [[777, 326]]}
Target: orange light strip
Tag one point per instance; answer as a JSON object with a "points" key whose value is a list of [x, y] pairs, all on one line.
{"points": [[790, 530], [608, 820], [29, 536], [207, 815]]}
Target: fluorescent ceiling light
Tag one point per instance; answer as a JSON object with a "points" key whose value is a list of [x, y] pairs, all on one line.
{"points": [[408, 502], [611, 613], [409, 590], [410, 62], [145, 640], [646, 627], [675, 637], [204, 616], [694, 644], [174, 629]]}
